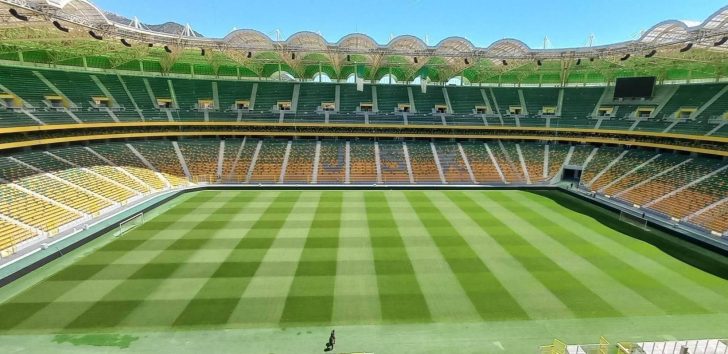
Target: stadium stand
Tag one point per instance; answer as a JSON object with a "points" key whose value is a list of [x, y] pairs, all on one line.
{"points": [[332, 162], [393, 162], [201, 157], [34, 211], [162, 156], [580, 155], [85, 158], [533, 157], [579, 103], [509, 165], [484, 168], [714, 219], [238, 156], [12, 234], [127, 92], [557, 158], [683, 172], [696, 197], [424, 167], [363, 165], [122, 156], [631, 160], [299, 168], [465, 99], [454, 168], [267, 168]]}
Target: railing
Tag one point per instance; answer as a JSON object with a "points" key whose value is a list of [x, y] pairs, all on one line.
{"points": [[702, 346]]}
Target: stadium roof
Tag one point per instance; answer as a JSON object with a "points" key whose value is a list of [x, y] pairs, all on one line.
{"points": [[674, 50]]}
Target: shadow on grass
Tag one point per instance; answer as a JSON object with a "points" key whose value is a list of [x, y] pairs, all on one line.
{"points": [[673, 244], [97, 340]]}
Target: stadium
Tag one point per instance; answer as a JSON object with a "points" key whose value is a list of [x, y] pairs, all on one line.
{"points": [[166, 192]]}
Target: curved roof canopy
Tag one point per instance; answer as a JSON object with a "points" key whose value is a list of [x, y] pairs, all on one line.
{"points": [[305, 53]]}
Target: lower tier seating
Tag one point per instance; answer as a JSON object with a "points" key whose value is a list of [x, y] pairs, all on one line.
{"points": [[45, 190], [11, 234], [332, 162], [33, 211]]}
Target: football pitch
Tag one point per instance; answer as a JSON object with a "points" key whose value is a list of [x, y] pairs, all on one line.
{"points": [[271, 271]]}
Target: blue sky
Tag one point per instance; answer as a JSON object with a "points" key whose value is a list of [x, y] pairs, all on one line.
{"points": [[567, 23]]}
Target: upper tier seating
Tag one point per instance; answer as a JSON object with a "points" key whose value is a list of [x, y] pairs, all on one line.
{"points": [[580, 102], [465, 99], [311, 96], [128, 91]]}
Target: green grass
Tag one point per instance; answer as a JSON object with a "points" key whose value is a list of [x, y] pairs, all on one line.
{"points": [[493, 268]]}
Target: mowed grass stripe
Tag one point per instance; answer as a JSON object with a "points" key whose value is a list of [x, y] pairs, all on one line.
{"points": [[445, 298], [400, 296], [163, 305], [490, 298], [609, 240], [128, 295], [265, 297], [25, 306], [533, 296], [570, 291], [311, 297], [618, 296], [356, 294], [214, 302], [664, 297]]}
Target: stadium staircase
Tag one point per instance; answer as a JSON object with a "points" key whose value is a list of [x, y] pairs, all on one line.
{"points": [[455, 169], [268, 166], [483, 164], [423, 167], [300, 162]]}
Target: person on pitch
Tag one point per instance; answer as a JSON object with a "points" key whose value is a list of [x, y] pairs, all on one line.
{"points": [[332, 341]]}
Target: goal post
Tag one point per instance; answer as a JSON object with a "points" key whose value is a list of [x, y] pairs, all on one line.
{"points": [[130, 223], [634, 219]]}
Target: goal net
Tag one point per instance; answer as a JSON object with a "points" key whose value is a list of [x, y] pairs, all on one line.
{"points": [[130, 224], [634, 219]]}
